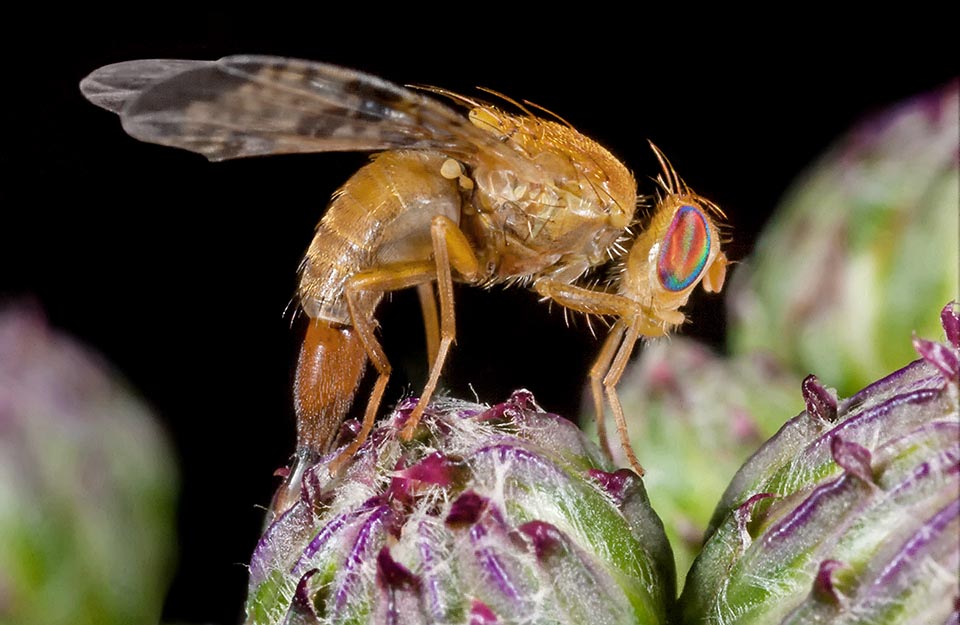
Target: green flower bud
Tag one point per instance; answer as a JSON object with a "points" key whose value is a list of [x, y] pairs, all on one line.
{"points": [[851, 513], [489, 515]]}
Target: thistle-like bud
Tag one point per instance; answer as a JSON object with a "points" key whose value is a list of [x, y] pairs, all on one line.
{"points": [[851, 513], [490, 515]]}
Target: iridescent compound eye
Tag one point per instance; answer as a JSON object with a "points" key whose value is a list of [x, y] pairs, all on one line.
{"points": [[684, 249]]}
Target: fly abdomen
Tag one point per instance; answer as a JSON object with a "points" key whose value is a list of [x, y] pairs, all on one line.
{"points": [[381, 216]]}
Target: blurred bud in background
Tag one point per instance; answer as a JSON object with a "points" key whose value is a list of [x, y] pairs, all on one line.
{"points": [[860, 251], [87, 486]]}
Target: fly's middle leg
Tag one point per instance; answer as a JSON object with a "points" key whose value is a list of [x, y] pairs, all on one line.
{"points": [[431, 327]]}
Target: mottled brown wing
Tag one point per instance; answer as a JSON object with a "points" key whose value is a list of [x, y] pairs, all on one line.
{"points": [[244, 106]]}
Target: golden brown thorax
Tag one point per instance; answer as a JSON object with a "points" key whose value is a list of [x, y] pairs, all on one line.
{"points": [[558, 217]]}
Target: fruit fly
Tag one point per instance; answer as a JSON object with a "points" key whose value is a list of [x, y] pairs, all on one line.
{"points": [[459, 192]]}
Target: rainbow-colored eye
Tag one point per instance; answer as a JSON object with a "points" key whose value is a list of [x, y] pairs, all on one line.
{"points": [[684, 249]]}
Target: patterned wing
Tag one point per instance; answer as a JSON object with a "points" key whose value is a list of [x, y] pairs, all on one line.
{"points": [[244, 106]]}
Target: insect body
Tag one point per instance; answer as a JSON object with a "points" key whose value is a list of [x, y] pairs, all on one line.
{"points": [[485, 197]]}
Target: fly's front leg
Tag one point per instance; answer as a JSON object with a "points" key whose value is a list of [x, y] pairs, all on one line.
{"points": [[597, 373], [610, 382], [450, 249], [626, 335], [615, 353], [390, 278], [595, 303]]}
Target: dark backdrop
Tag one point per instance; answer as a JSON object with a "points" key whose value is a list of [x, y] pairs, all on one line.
{"points": [[180, 270]]}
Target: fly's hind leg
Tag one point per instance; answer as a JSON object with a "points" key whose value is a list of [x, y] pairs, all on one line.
{"points": [[389, 278], [450, 249]]}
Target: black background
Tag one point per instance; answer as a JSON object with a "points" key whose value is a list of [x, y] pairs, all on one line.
{"points": [[180, 270]]}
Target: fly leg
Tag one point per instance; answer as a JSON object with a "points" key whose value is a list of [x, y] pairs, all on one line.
{"points": [[632, 322], [610, 381], [389, 278], [431, 327], [450, 249], [597, 371]]}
